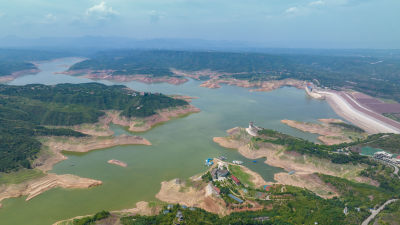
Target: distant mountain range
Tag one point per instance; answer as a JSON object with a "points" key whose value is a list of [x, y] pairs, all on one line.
{"points": [[92, 44]]}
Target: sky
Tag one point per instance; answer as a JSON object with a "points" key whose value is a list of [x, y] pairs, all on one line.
{"points": [[267, 23]]}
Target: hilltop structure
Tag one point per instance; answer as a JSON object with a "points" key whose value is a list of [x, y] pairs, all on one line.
{"points": [[253, 129]]}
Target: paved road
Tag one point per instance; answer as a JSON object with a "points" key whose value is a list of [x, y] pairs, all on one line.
{"points": [[376, 212]]}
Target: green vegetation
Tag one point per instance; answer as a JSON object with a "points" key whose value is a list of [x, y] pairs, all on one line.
{"points": [[26, 110], [13, 60], [91, 219], [363, 196], [384, 175], [348, 127], [355, 72], [390, 215], [389, 142], [241, 175], [393, 116], [306, 147], [20, 176]]}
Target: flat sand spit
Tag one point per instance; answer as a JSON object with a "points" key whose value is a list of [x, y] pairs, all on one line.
{"points": [[144, 124], [35, 187], [330, 134], [117, 162]]}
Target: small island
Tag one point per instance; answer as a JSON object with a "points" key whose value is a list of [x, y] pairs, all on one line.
{"points": [[117, 162]]}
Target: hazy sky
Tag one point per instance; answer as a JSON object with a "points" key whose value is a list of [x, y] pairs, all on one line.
{"points": [[274, 23]]}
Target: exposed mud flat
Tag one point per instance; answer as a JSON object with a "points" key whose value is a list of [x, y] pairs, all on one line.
{"points": [[144, 124], [330, 133], [35, 187], [117, 162]]}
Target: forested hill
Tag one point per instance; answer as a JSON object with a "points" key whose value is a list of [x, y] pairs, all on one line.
{"points": [[14, 60], [25, 110], [378, 76]]}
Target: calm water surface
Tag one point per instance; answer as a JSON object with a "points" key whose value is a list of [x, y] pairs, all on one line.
{"points": [[179, 146]]}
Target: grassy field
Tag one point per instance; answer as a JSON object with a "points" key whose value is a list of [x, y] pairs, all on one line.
{"points": [[241, 175], [20, 176]]}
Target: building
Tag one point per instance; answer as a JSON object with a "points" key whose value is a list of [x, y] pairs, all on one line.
{"points": [[235, 198], [219, 174], [253, 129], [383, 155], [236, 180]]}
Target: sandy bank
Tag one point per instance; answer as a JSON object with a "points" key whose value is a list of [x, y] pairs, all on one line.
{"points": [[35, 187], [108, 75], [176, 192], [117, 162], [55, 145], [308, 181], [91, 143], [330, 134], [144, 124], [142, 208], [257, 86]]}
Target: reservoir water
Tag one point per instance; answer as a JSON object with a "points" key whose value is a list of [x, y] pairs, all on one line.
{"points": [[179, 148]]}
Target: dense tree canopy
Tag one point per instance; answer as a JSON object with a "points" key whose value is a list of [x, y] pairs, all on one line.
{"points": [[26, 110]]}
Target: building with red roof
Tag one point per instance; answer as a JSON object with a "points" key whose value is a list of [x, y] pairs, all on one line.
{"points": [[236, 180]]}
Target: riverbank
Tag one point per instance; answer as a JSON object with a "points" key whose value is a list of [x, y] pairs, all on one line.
{"points": [[108, 75], [14, 75], [332, 131], [144, 124], [254, 86], [303, 166], [195, 192], [35, 187], [52, 154]]}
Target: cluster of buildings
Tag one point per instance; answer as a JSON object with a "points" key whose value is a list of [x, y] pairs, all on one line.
{"points": [[387, 157]]}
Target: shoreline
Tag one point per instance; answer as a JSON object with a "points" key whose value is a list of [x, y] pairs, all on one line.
{"points": [[107, 75], [329, 134], [51, 154], [147, 123], [304, 166], [15, 75], [197, 194]]}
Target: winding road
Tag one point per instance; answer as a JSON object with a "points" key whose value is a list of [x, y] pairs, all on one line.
{"points": [[377, 211]]}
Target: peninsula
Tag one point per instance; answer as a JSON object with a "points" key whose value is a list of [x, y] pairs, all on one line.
{"points": [[39, 122]]}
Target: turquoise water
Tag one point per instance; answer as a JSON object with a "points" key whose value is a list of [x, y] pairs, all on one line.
{"points": [[179, 148]]}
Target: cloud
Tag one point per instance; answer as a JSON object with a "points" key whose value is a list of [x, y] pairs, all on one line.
{"points": [[156, 16], [292, 10], [49, 18], [314, 6], [101, 11], [2, 14], [317, 3]]}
